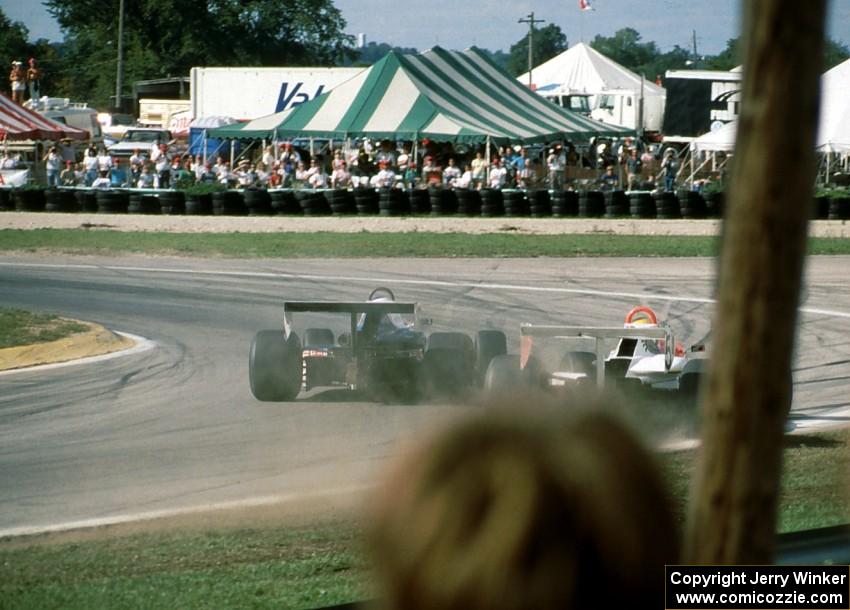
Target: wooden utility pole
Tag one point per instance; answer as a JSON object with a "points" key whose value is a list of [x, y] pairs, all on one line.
{"points": [[119, 71], [530, 20], [733, 511]]}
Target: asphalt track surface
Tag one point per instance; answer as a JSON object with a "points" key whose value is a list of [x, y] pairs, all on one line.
{"points": [[175, 427]]}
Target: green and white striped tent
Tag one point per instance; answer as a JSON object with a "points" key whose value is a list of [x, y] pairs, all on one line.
{"points": [[441, 95]]}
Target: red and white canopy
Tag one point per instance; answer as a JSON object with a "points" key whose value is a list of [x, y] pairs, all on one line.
{"points": [[19, 123]]}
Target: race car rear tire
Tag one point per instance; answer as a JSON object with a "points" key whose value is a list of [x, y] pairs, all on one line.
{"points": [[274, 366], [449, 362], [488, 345], [314, 337], [503, 375]]}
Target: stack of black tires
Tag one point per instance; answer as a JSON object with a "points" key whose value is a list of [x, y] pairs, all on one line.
{"points": [[692, 205], [258, 202], [515, 202], [393, 202], [539, 203], [341, 202], [228, 203], [366, 201], [492, 204], [591, 204], [616, 204], [284, 203], [443, 201], [642, 205], [313, 203], [468, 202], [666, 206]]}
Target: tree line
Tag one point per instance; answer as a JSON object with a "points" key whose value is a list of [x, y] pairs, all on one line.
{"points": [[165, 38]]}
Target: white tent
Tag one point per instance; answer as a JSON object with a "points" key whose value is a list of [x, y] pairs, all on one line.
{"points": [[722, 139], [834, 128], [582, 69]]}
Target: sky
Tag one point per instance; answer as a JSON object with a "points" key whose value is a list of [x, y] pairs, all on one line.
{"points": [[493, 24]]}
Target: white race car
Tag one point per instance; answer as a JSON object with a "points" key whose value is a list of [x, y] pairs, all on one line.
{"points": [[646, 353]]}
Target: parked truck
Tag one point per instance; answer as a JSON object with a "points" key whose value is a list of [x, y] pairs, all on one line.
{"points": [[699, 101], [247, 93]]}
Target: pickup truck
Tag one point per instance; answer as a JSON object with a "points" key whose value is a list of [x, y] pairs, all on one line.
{"points": [[146, 140]]}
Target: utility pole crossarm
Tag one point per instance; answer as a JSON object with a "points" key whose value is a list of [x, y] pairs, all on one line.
{"points": [[531, 21]]}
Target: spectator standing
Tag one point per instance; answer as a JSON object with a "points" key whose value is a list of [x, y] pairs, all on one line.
{"points": [[634, 167], [556, 164], [479, 170], [268, 156], [80, 174], [53, 165], [161, 160], [90, 165], [668, 170], [208, 176], [104, 161], [523, 169], [317, 178], [18, 81], [34, 81]]}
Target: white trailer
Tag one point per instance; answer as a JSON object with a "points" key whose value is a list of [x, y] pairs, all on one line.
{"points": [[246, 93]]}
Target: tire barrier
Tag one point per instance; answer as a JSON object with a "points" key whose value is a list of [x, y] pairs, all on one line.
{"points": [[197, 204], [715, 204], [839, 208], [443, 201], [313, 203], [642, 205], [515, 203], [284, 203], [112, 202], [539, 203], [172, 203], [146, 203], [666, 206], [616, 204], [27, 200], [393, 202], [692, 205], [366, 201], [59, 200], [591, 204], [468, 202], [420, 202], [341, 202], [492, 204], [258, 202], [820, 208], [228, 203]]}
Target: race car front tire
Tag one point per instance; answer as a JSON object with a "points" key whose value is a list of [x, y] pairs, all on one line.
{"points": [[274, 366]]}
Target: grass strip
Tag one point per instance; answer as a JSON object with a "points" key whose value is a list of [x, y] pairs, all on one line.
{"points": [[318, 565], [19, 327], [366, 244]]}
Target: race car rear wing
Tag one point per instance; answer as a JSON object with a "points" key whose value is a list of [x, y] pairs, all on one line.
{"points": [[529, 331], [353, 308]]}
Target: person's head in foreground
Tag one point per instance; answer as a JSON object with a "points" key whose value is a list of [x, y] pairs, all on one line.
{"points": [[524, 510]]}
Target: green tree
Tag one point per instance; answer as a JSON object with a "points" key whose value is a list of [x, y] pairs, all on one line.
{"points": [[167, 37], [14, 43], [549, 41], [834, 53], [625, 47]]}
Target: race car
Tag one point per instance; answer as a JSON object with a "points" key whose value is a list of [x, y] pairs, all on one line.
{"points": [[646, 356], [381, 350]]}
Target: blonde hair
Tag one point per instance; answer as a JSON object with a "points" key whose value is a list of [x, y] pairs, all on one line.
{"points": [[505, 512]]}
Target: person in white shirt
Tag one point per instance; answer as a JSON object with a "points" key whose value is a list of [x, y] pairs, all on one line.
{"points": [[104, 161], [465, 180], [451, 172], [340, 178], [102, 181], [162, 164], [268, 156], [385, 177], [497, 175], [53, 165], [137, 158], [90, 165], [318, 179]]}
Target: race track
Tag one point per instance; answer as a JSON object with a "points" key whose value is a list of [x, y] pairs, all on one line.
{"points": [[175, 426]]}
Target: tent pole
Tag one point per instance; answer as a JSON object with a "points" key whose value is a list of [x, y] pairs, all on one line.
{"points": [[205, 146], [487, 154]]}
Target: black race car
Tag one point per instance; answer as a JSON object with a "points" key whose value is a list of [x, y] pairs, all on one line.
{"points": [[382, 351]]}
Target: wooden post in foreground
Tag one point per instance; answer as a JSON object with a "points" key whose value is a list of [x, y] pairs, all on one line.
{"points": [[733, 508]]}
